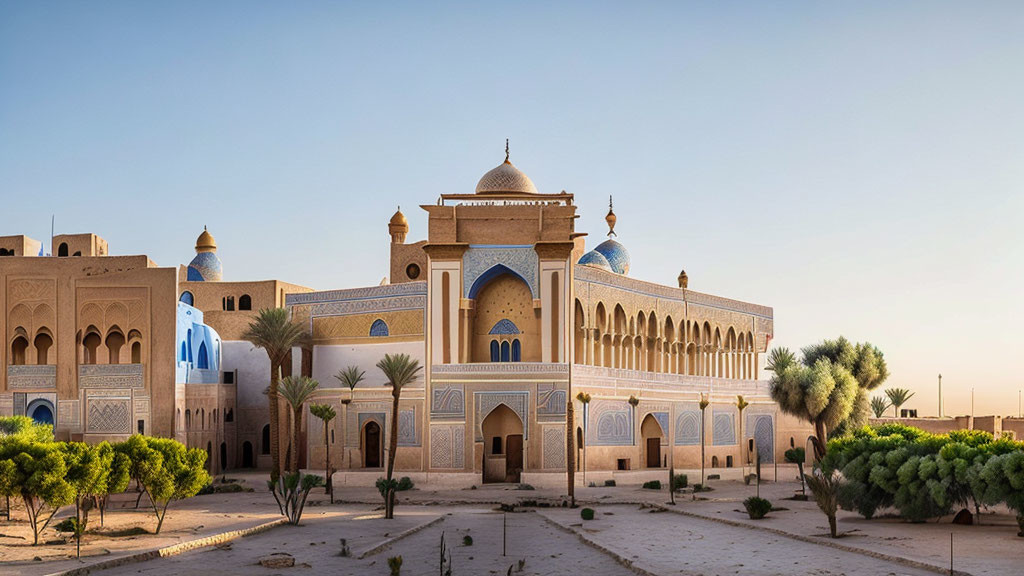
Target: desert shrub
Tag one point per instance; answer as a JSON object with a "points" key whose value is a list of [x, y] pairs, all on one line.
{"points": [[652, 485], [587, 513], [404, 483], [756, 507], [609, 482], [291, 490], [395, 565], [525, 487], [679, 481], [25, 428], [467, 540]]}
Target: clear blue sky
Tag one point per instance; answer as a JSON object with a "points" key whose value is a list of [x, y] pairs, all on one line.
{"points": [[858, 166]]}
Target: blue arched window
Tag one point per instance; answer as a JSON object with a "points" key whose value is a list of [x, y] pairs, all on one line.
{"points": [[184, 353], [516, 351], [41, 411], [204, 358], [187, 298], [189, 342], [505, 352], [495, 351], [379, 328]]}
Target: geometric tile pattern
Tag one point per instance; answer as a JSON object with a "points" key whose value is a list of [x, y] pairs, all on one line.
{"points": [[550, 400], [447, 402], [477, 260], [723, 427], [407, 428], [112, 416], [763, 426], [610, 423], [688, 428], [447, 447], [554, 447]]}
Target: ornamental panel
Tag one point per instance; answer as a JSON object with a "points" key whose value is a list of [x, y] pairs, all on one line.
{"points": [[110, 376], [485, 402]]}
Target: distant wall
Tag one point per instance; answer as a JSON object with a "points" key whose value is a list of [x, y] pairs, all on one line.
{"points": [[994, 425]]}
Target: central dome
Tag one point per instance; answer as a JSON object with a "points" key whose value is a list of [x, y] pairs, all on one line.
{"points": [[504, 179]]}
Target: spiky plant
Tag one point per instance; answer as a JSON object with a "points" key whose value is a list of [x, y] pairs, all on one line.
{"points": [[274, 332], [400, 370], [898, 397], [879, 405], [296, 390], [326, 413], [350, 376], [824, 484]]}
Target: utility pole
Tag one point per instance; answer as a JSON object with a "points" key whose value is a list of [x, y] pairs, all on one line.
{"points": [[972, 402], [940, 395]]}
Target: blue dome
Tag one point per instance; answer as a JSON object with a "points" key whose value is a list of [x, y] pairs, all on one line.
{"points": [[616, 254], [205, 267], [595, 259]]}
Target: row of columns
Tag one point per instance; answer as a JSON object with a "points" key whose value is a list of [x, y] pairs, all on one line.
{"points": [[657, 355]]}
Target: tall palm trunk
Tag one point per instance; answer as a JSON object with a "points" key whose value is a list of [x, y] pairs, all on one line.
{"points": [[389, 500], [275, 440], [819, 440], [570, 464], [296, 432], [327, 462]]}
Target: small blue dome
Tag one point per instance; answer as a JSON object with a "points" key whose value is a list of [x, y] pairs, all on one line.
{"points": [[205, 267], [616, 254], [595, 259]]}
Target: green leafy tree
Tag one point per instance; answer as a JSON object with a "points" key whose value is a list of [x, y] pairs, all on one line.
{"points": [[898, 397], [400, 371], [168, 471], [88, 472], [275, 332], [1003, 478], [350, 376], [326, 413], [829, 386], [296, 390], [879, 405], [25, 428], [117, 480], [37, 473]]}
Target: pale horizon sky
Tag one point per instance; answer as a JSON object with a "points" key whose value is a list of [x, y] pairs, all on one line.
{"points": [[856, 166]]}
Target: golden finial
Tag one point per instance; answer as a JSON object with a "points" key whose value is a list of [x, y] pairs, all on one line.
{"points": [[506, 151], [611, 219]]}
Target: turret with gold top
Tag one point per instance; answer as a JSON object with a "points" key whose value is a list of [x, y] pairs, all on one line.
{"points": [[206, 266], [398, 227]]}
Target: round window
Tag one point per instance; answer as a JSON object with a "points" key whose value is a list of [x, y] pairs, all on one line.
{"points": [[412, 271]]}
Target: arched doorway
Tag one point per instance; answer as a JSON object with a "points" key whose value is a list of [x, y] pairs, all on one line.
{"points": [[247, 459], [41, 411], [503, 445], [372, 445], [650, 433]]}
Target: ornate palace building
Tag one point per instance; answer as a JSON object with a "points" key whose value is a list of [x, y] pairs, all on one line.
{"points": [[510, 314]]}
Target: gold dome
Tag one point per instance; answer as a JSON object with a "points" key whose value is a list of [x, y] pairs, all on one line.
{"points": [[399, 219], [205, 242]]}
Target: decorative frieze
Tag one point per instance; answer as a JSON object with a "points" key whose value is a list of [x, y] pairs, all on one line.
{"points": [[448, 447], [110, 376], [485, 402], [32, 377]]}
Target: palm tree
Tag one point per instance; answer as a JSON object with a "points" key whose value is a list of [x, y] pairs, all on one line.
{"points": [[273, 330], [350, 376], [824, 484], [399, 369], [703, 406], [898, 397], [584, 399], [879, 405], [296, 390], [741, 405], [326, 413]]}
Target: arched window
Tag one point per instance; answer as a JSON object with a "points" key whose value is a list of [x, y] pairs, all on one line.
{"points": [[245, 302], [495, 351], [91, 343], [202, 419], [184, 353], [115, 340], [43, 343], [136, 352], [229, 303], [379, 328], [62, 250], [203, 362], [188, 419], [265, 445], [517, 352], [188, 298], [189, 347], [505, 351], [229, 415], [18, 348]]}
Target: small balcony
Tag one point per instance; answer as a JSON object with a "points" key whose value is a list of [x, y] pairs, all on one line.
{"points": [[32, 377], [110, 376]]}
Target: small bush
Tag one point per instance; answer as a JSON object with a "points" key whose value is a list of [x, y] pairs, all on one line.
{"points": [[609, 483], [524, 487], [66, 525], [587, 513], [749, 478], [467, 540], [395, 564], [757, 507], [702, 488], [592, 485], [679, 481], [405, 483], [652, 485]]}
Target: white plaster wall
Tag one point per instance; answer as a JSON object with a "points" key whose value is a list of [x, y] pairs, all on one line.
{"points": [[328, 360], [253, 367]]}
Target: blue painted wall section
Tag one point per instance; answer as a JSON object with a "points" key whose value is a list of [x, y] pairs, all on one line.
{"points": [[198, 346]]}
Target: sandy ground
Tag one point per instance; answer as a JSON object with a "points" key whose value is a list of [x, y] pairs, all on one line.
{"points": [[664, 543]]}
